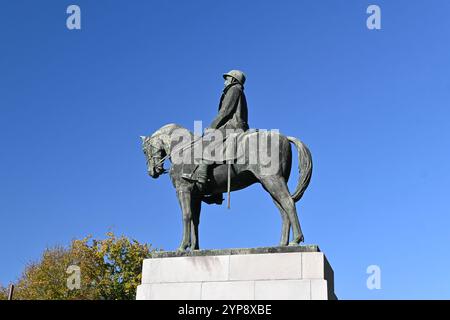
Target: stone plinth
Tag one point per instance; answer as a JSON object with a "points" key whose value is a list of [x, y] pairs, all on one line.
{"points": [[300, 273]]}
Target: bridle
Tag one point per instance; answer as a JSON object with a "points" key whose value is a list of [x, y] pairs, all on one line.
{"points": [[167, 156], [158, 161]]}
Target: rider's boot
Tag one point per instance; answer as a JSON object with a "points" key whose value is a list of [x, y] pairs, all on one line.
{"points": [[202, 177]]}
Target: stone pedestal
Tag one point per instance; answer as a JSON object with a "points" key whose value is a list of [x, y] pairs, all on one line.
{"points": [[294, 273]]}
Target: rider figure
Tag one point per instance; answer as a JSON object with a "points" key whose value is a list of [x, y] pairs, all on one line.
{"points": [[233, 114]]}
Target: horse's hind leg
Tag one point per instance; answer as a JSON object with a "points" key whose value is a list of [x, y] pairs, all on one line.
{"points": [[286, 225], [278, 189]]}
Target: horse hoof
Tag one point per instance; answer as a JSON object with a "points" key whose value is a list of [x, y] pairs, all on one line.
{"points": [[297, 241]]}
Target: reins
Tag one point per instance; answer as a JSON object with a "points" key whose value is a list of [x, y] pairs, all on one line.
{"points": [[183, 148]]}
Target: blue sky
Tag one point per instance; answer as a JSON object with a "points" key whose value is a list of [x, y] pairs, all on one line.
{"points": [[371, 105]]}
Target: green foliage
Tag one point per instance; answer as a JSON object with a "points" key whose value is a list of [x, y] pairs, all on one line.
{"points": [[109, 269], [3, 293]]}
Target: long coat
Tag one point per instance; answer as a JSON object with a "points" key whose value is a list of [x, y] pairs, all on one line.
{"points": [[233, 114]]}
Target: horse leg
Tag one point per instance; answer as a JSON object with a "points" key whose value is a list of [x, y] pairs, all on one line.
{"points": [[286, 225], [195, 221], [184, 197], [278, 189]]}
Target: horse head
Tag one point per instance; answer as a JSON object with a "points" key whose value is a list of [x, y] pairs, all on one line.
{"points": [[154, 152]]}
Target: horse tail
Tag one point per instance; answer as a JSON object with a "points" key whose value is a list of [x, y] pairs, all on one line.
{"points": [[304, 168]]}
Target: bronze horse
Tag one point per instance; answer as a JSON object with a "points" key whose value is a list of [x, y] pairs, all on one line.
{"points": [[160, 145]]}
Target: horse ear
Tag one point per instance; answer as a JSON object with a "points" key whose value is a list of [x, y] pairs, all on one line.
{"points": [[143, 138]]}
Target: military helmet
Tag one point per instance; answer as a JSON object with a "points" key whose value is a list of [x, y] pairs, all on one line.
{"points": [[236, 74]]}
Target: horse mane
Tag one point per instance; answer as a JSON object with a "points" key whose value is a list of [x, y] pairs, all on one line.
{"points": [[165, 132], [166, 129]]}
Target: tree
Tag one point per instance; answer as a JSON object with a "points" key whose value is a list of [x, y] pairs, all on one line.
{"points": [[3, 293], [88, 269]]}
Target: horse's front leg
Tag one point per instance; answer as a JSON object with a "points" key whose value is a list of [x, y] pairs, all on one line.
{"points": [[184, 197], [195, 221]]}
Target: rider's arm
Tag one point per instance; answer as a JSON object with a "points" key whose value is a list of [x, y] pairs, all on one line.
{"points": [[228, 107]]}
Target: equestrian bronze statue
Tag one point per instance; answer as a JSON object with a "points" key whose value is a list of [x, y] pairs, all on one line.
{"points": [[234, 159]]}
